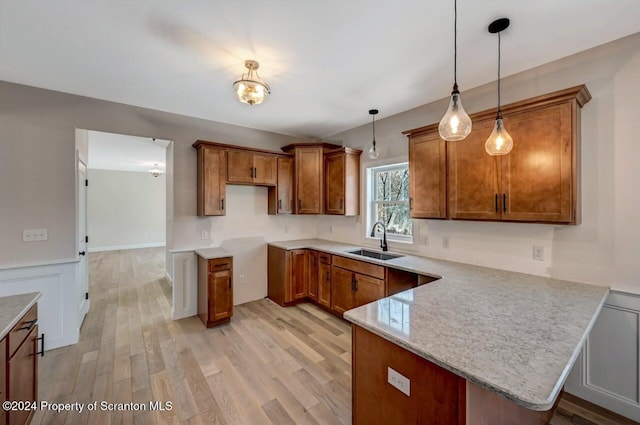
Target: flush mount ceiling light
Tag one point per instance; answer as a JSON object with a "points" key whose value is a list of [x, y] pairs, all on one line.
{"points": [[499, 142], [155, 171], [250, 88], [456, 124], [373, 153]]}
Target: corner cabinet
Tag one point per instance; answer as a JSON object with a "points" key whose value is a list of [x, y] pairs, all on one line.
{"points": [[309, 176], [212, 180], [536, 182], [215, 290], [342, 181]]}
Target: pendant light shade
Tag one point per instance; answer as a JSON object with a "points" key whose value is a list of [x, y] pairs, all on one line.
{"points": [[499, 142], [373, 153], [456, 124], [250, 88]]}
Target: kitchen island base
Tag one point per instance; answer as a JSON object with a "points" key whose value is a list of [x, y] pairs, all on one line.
{"points": [[436, 396]]}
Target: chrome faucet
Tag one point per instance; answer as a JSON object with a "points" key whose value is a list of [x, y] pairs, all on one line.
{"points": [[383, 241]]}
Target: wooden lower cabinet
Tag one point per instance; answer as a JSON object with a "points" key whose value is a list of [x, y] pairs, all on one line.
{"points": [[215, 290], [19, 363], [368, 289], [324, 280], [436, 396], [342, 293], [313, 277], [299, 274], [3, 379], [287, 275]]}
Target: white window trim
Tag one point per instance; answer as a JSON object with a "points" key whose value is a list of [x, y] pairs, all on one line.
{"points": [[394, 241]]}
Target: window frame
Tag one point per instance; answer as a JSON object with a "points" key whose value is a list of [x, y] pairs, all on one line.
{"points": [[369, 170]]}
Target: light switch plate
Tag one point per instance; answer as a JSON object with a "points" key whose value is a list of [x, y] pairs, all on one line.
{"points": [[538, 253], [399, 381], [34, 235]]}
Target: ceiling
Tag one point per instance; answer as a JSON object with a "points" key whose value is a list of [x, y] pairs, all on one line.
{"points": [[328, 62], [108, 151]]}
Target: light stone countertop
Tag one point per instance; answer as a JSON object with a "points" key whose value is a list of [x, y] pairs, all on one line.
{"points": [[515, 334], [212, 253], [13, 307]]}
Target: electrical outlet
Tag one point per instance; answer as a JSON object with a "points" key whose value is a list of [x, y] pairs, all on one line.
{"points": [[399, 381], [241, 277], [330, 229], [445, 242], [424, 240], [204, 235], [34, 235], [538, 253]]}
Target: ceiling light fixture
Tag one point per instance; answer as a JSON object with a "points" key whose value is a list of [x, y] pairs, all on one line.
{"points": [[250, 88], [373, 153], [499, 142], [456, 124], [155, 171]]}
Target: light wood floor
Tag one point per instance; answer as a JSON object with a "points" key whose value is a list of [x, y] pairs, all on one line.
{"points": [[268, 366]]}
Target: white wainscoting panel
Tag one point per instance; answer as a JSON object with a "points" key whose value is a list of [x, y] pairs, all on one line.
{"points": [[57, 312], [607, 372], [185, 284]]}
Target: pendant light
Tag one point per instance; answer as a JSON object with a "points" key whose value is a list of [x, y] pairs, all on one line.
{"points": [[499, 142], [155, 171], [456, 124], [250, 88], [373, 153]]}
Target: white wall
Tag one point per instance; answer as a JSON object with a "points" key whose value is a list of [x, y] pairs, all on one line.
{"points": [[603, 249], [126, 209]]}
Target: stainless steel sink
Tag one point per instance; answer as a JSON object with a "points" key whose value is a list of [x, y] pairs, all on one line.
{"points": [[375, 254]]}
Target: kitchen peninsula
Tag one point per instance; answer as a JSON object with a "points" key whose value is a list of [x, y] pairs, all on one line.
{"points": [[477, 345]]}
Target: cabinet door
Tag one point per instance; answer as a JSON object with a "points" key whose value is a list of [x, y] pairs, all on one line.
{"points": [[220, 295], [342, 285], [368, 289], [313, 275], [299, 273], [239, 167], [3, 379], [428, 176], [324, 285], [309, 180], [22, 377], [334, 168], [474, 177], [285, 185], [537, 175], [212, 179], [265, 170]]}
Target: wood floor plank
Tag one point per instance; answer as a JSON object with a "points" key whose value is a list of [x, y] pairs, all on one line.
{"points": [[270, 365]]}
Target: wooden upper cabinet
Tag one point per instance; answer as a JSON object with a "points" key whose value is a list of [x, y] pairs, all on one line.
{"points": [[536, 182], [474, 177], [246, 167], [309, 176], [281, 196], [342, 182], [427, 175], [212, 179]]}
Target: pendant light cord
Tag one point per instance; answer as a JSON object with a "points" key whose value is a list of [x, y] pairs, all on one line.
{"points": [[499, 110], [373, 120], [455, 44]]}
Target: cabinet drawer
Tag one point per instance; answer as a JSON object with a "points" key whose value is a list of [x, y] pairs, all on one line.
{"points": [[324, 258], [21, 330], [217, 264], [359, 266]]}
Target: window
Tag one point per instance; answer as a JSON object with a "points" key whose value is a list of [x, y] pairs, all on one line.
{"points": [[388, 200]]}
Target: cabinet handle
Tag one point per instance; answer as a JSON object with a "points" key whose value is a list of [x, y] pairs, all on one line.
{"points": [[410, 203], [314, 261], [41, 352], [279, 204], [353, 282], [299, 204], [504, 202], [255, 172], [496, 202], [340, 203], [328, 276], [30, 324], [221, 203]]}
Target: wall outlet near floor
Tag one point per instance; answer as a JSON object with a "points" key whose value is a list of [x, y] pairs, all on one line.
{"points": [[34, 235], [538, 253], [330, 229], [399, 381], [204, 235], [241, 278], [445, 242], [424, 240]]}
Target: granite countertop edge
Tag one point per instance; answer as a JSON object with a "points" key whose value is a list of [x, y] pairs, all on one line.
{"points": [[212, 253], [15, 306]]}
